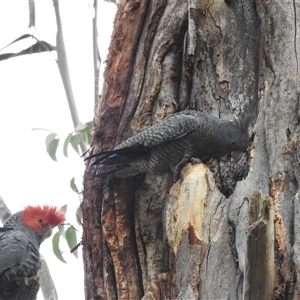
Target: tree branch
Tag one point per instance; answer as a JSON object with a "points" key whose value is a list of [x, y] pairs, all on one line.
{"points": [[96, 54], [63, 67], [5, 213], [47, 284]]}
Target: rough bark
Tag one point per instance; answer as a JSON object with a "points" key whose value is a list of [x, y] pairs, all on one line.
{"points": [[210, 235]]}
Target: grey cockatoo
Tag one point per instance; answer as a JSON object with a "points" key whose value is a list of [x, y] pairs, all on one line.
{"points": [[20, 240], [168, 145]]}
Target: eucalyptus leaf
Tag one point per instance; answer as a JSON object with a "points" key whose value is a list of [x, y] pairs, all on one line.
{"points": [[71, 238], [61, 229], [51, 145], [55, 247], [66, 144], [64, 208], [73, 185], [44, 129], [38, 47], [50, 137], [79, 216], [80, 127], [75, 142], [85, 135]]}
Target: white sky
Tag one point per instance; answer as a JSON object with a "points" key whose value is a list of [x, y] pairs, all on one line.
{"points": [[32, 96]]}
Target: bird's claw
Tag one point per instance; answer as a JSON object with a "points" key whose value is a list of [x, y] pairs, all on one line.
{"points": [[195, 160]]}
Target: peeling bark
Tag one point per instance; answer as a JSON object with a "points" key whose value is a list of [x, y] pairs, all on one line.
{"points": [[259, 278], [145, 238]]}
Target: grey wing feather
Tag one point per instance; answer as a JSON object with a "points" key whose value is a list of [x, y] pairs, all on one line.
{"points": [[170, 128], [13, 247]]}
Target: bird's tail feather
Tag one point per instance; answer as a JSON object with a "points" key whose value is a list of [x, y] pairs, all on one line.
{"points": [[117, 160], [122, 171], [103, 174], [117, 156]]}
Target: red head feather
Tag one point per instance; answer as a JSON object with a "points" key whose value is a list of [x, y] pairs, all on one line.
{"points": [[38, 217]]}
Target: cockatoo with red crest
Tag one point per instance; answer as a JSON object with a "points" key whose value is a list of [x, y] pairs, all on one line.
{"points": [[20, 240]]}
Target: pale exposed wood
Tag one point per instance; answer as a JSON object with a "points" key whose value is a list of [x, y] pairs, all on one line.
{"points": [[259, 277]]}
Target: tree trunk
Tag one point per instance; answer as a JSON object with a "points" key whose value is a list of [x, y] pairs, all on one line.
{"points": [[222, 231]]}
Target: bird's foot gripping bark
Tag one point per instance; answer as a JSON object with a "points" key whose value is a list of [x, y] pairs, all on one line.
{"points": [[195, 160], [187, 158]]}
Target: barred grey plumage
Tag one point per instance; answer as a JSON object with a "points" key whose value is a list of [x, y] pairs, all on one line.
{"points": [[20, 240], [168, 145], [14, 251]]}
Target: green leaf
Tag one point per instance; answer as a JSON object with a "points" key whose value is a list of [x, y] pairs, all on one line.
{"points": [[51, 145], [84, 130], [50, 137], [55, 246], [79, 216], [66, 144], [90, 124], [64, 208], [51, 149], [61, 229], [73, 185], [80, 127], [71, 238], [85, 135], [44, 129], [75, 142]]}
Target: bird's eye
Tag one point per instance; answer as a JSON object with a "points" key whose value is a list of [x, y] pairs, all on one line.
{"points": [[233, 143], [40, 220]]}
